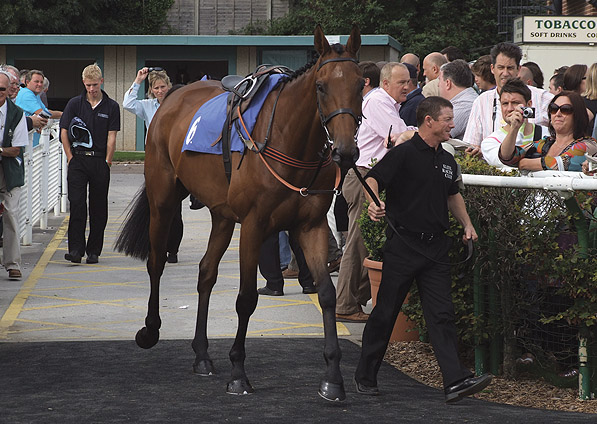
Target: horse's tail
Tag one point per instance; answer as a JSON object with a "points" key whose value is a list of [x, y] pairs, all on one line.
{"points": [[133, 239]]}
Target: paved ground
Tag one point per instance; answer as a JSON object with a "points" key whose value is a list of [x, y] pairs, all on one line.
{"points": [[68, 355]]}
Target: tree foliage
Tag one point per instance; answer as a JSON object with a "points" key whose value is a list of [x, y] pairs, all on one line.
{"points": [[420, 26], [85, 16]]}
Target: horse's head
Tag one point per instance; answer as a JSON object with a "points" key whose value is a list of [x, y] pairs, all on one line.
{"points": [[339, 82]]}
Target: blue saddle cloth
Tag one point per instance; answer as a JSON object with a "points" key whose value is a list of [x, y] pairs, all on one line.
{"points": [[206, 125]]}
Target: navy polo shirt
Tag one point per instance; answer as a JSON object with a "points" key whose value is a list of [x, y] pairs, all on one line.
{"points": [[105, 117], [418, 180]]}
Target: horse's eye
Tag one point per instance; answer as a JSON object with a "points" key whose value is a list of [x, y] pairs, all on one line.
{"points": [[320, 87]]}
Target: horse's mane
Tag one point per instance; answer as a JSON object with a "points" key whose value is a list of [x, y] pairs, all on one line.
{"points": [[338, 48]]}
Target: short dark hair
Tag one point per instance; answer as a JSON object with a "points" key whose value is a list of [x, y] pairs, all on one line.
{"points": [[459, 73], [573, 77], [32, 72], [558, 77], [516, 85], [370, 70], [452, 53], [537, 73], [431, 106], [510, 50], [580, 115], [482, 68]]}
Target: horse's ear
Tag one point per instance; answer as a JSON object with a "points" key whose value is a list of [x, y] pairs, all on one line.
{"points": [[354, 41], [321, 43]]}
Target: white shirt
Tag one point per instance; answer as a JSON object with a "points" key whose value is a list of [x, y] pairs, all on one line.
{"points": [[144, 109], [481, 123], [490, 147], [20, 137]]}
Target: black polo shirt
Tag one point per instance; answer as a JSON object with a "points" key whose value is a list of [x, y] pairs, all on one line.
{"points": [[105, 117], [418, 180]]}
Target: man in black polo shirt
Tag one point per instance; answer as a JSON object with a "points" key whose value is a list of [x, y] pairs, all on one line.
{"points": [[421, 183], [88, 130]]}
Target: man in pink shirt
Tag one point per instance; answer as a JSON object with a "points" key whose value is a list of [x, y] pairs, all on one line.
{"points": [[380, 112]]}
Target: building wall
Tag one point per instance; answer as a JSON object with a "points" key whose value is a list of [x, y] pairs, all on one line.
{"points": [[219, 17], [578, 8], [120, 69]]}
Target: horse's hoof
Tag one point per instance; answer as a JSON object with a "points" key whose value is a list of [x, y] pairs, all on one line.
{"points": [[205, 367], [239, 387], [147, 338], [332, 391]]}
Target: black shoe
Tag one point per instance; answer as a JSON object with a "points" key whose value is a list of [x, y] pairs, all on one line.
{"points": [[309, 290], [172, 258], [73, 257], [196, 203], [366, 390], [92, 259], [467, 387], [266, 291]]}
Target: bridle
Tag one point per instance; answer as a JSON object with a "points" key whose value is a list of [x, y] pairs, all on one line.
{"points": [[325, 119], [325, 157]]}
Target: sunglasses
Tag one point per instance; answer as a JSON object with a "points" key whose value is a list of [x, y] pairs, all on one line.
{"points": [[565, 109], [2, 88]]}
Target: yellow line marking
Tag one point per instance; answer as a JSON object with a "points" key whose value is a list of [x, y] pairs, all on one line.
{"points": [[16, 306]]}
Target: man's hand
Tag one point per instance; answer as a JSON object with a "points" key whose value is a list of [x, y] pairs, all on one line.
{"points": [[474, 151], [376, 212], [469, 233], [38, 121], [515, 119]]}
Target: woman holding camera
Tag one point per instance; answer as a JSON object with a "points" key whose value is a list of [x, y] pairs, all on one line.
{"points": [[563, 149], [159, 84]]}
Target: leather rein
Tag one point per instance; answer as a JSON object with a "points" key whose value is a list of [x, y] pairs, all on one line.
{"points": [[324, 155]]}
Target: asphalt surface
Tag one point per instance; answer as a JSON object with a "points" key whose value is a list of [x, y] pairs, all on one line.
{"points": [[67, 350]]}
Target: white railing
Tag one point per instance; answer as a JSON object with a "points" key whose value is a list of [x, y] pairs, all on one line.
{"points": [[45, 182]]}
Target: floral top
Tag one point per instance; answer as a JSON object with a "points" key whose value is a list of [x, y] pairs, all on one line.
{"points": [[570, 159]]}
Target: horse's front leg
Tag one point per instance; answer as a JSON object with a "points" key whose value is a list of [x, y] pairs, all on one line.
{"points": [[314, 242], [251, 238], [219, 239]]}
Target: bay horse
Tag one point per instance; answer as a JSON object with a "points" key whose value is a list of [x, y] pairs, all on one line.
{"points": [[317, 112]]}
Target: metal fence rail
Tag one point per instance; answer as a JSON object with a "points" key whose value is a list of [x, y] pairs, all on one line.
{"points": [[44, 182]]}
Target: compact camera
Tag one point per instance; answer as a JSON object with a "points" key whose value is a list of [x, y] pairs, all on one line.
{"points": [[528, 112], [43, 114]]}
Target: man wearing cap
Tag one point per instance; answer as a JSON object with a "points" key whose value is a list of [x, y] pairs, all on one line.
{"points": [[88, 130], [408, 108]]}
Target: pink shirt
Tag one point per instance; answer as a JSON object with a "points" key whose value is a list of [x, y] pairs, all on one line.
{"points": [[380, 111]]}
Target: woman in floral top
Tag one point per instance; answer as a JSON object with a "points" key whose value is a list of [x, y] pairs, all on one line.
{"points": [[564, 149]]}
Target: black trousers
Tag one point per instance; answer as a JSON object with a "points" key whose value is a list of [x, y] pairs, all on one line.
{"points": [[269, 263], [401, 266], [84, 172], [176, 230]]}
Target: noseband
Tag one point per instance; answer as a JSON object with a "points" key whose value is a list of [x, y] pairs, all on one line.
{"points": [[326, 119]]}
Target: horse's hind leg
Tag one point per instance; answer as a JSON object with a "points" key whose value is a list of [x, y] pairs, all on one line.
{"points": [[163, 203], [219, 240]]}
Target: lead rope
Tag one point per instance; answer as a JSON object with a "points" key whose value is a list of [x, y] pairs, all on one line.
{"points": [[469, 243]]}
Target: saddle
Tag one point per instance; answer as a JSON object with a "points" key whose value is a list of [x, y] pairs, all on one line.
{"points": [[242, 90]]}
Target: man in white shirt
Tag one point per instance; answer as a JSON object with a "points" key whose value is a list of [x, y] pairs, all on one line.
{"points": [[13, 138], [486, 114], [515, 93], [456, 84]]}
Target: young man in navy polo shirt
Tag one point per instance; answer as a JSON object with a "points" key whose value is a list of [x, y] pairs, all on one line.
{"points": [[89, 148], [421, 183]]}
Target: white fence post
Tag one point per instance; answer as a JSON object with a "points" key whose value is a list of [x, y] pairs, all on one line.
{"points": [[45, 176], [28, 156]]}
